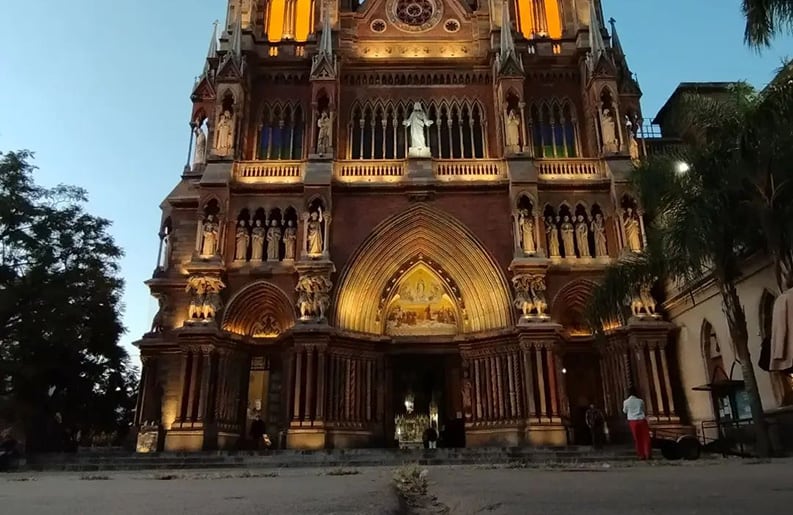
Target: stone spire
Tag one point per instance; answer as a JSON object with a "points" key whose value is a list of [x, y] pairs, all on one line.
{"points": [[596, 44], [212, 53], [616, 45], [508, 61], [236, 37], [324, 63]]}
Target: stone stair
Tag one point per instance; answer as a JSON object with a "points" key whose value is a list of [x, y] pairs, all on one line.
{"points": [[348, 458]]}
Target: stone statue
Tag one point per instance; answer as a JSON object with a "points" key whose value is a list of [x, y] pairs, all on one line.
{"points": [[530, 296], [273, 241], [314, 233], [633, 239], [599, 232], [313, 297], [417, 122], [158, 324], [552, 234], [197, 290], [290, 238], [526, 224], [633, 145], [200, 156], [644, 304], [568, 238], [224, 134], [466, 394], [205, 299], [582, 236], [513, 132], [325, 134], [210, 244], [608, 131], [258, 234], [242, 239]]}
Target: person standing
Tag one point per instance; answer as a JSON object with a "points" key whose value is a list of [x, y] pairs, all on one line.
{"points": [[633, 407], [257, 432], [595, 421]]}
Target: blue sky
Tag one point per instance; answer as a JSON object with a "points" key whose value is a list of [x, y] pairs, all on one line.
{"points": [[100, 91]]}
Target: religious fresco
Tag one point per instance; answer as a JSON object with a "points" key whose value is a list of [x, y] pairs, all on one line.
{"points": [[421, 307]]}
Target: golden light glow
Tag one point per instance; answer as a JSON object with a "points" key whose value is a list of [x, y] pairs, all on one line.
{"points": [[257, 309], [289, 19], [438, 237], [538, 18], [275, 28], [303, 18]]}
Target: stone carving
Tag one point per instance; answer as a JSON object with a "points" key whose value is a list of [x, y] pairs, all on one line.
{"points": [[417, 122], [530, 296], [158, 323], [224, 134], [200, 155], [633, 239], [210, 239], [273, 241], [552, 235], [608, 131], [325, 134], [205, 299], [527, 237], [599, 232], [258, 234], [513, 132], [568, 237], [242, 239], [467, 401], [290, 239], [267, 327], [633, 145], [582, 236], [313, 297], [314, 236], [644, 305]]}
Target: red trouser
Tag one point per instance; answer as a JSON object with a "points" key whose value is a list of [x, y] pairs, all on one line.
{"points": [[641, 437]]}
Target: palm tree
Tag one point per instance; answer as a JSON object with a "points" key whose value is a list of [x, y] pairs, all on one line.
{"points": [[765, 18], [699, 216]]}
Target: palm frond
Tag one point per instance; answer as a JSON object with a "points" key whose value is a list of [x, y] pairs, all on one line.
{"points": [[764, 19]]}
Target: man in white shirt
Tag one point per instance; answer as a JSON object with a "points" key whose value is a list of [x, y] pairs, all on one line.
{"points": [[633, 407]]}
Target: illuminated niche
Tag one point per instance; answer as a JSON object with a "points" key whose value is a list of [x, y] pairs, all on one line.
{"points": [[539, 18], [421, 304]]}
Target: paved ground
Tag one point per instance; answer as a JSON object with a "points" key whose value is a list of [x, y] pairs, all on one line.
{"points": [[702, 489], [722, 488]]}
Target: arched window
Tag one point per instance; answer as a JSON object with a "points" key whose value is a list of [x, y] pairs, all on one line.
{"points": [[377, 130], [711, 353], [289, 20], [782, 383], [281, 133], [553, 129], [538, 18]]}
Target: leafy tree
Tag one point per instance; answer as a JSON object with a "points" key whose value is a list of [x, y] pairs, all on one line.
{"points": [[701, 203], [765, 19], [59, 311]]}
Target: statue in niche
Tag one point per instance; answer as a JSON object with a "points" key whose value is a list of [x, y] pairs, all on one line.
{"points": [[526, 224], [258, 234], [242, 240], [530, 296], [205, 299], [568, 237], [197, 290], [417, 122], [273, 241], [313, 297], [633, 145], [513, 132], [210, 241], [632, 230], [325, 134], [314, 234], [599, 232], [224, 134], [608, 130], [200, 155], [552, 234], [290, 239], [467, 401], [582, 236]]}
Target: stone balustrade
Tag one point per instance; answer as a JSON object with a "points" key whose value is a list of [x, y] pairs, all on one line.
{"points": [[469, 170], [567, 169], [269, 171], [369, 171]]}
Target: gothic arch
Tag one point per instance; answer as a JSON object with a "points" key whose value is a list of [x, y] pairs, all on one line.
{"points": [[570, 303], [711, 353], [249, 306], [436, 237]]}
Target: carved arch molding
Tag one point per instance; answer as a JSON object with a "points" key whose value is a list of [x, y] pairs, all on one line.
{"points": [[441, 243], [259, 310]]}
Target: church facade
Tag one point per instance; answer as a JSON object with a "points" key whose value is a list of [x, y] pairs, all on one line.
{"points": [[393, 217]]}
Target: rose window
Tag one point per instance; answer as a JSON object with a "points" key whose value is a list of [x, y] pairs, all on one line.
{"points": [[414, 15]]}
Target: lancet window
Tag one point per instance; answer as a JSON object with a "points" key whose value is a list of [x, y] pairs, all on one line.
{"points": [[377, 130], [553, 128], [539, 18], [289, 20], [281, 132]]}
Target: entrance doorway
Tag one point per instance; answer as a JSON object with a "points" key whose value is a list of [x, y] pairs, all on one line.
{"points": [[425, 391], [584, 387]]}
